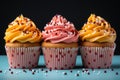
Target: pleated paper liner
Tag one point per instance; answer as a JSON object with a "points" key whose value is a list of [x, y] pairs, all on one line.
{"points": [[23, 57], [60, 58], [97, 57]]}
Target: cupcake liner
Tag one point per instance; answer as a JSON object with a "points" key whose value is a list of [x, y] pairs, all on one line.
{"points": [[60, 58], [97, 57], [23, 57]]}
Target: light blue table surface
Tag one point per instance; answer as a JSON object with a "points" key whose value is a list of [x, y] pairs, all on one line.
{"points": [[42, 73]]}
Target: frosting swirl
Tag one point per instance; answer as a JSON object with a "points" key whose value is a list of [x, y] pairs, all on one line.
{"points": [[60, 30], [97, 29], [22, 30]]}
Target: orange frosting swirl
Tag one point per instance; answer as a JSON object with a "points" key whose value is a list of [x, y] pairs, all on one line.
{"points": [[97, 30], [22, 30]]}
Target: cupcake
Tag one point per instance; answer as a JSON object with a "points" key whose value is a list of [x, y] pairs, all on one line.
{"points": [[60, 45], [97, 43], [22, 43]]}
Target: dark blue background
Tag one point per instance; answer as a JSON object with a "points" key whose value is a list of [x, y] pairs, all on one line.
{"points": [[76, 11]]}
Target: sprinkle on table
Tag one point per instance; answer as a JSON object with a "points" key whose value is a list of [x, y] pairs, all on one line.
{"points": [[77, 74], [0, 71]]}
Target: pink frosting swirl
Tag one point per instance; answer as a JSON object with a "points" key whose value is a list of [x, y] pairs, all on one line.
{"points": [[60, 30]]}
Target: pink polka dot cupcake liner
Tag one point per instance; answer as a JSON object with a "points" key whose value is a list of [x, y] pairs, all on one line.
{"points": [[23, 57], [60, 58], [97, 57]]}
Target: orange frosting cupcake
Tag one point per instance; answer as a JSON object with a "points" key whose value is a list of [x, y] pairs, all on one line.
{"points": [[97, 43], [22, 46]]}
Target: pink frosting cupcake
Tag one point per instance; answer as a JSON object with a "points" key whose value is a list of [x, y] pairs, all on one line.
{"points": [[60, 45]]}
